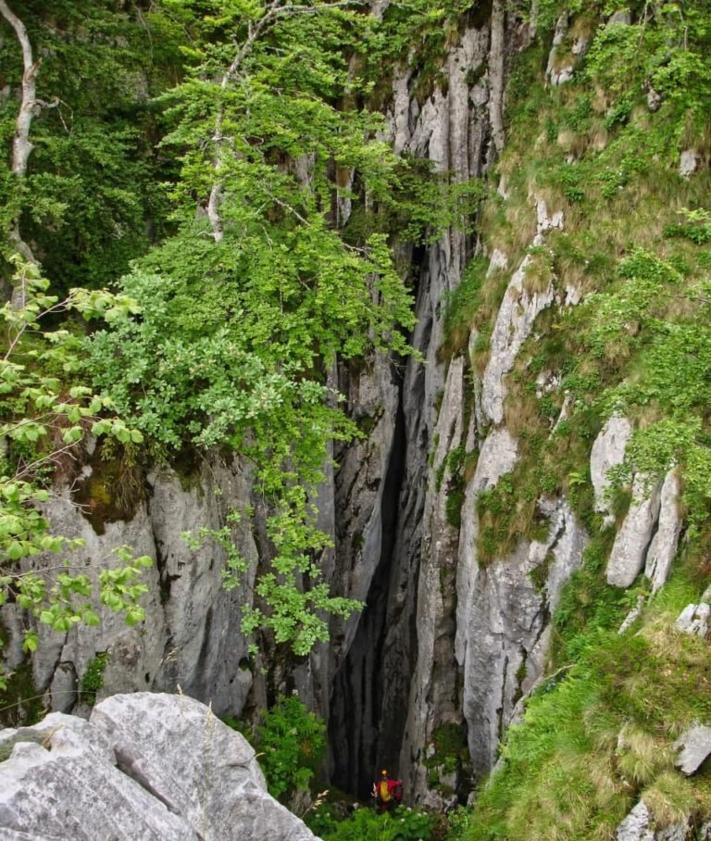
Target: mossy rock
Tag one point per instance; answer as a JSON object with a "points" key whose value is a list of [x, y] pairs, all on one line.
{"points": [[112, 492]]}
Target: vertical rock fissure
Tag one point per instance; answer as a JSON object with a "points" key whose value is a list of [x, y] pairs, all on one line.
{"points": [[357, 739]]}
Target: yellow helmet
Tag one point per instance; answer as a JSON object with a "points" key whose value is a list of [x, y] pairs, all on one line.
{"points": [[384, 773]]}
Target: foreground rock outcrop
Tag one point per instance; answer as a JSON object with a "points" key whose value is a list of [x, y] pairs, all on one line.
{"points": [[145, 766], [639, 826]]}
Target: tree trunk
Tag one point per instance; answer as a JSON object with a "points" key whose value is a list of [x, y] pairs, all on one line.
{"points": [[21, 145]]}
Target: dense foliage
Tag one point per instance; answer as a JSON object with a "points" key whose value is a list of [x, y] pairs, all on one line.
{"points": [[46, 411], [92, 198]]}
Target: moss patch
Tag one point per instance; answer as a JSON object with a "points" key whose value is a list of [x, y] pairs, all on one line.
{"points": [[113, 491]]}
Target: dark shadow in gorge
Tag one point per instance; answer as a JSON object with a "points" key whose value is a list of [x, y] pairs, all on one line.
{"points": [[358, 741]]}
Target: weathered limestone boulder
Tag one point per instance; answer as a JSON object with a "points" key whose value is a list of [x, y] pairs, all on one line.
{"points": [[630, 547], [635, 827], [150, 766], [665, 542], [608, 451], [695, 619], [688, 163], [649, 534], [694, 749], [639, 826]]}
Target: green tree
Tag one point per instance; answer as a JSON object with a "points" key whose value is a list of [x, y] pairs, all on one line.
{"points": [[88, 197], [248, 306]]}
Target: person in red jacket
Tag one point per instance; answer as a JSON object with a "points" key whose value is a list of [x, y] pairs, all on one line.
{"points": [[387, 792]]}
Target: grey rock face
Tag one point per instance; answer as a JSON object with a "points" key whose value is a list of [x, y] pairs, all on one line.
{"points": [[433, 691], [204, 651], [502, 616], [405, 637], [695, 747], [191, 636], [507, 630], [666, 540], [631, 542], [498, 456], [608, 451], [372, 400], [154, 767]]}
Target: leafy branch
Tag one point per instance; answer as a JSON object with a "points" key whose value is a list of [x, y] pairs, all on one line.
{"points": [[42, 421]]}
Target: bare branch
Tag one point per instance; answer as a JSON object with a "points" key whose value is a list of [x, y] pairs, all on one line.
{"points": [[50, 458], [21, 147]]}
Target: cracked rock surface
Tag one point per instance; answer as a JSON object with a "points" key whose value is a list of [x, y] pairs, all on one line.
{"points": [[154, 767]]}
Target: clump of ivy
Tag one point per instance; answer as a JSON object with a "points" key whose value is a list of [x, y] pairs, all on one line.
{"points": [[93, 678]]}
